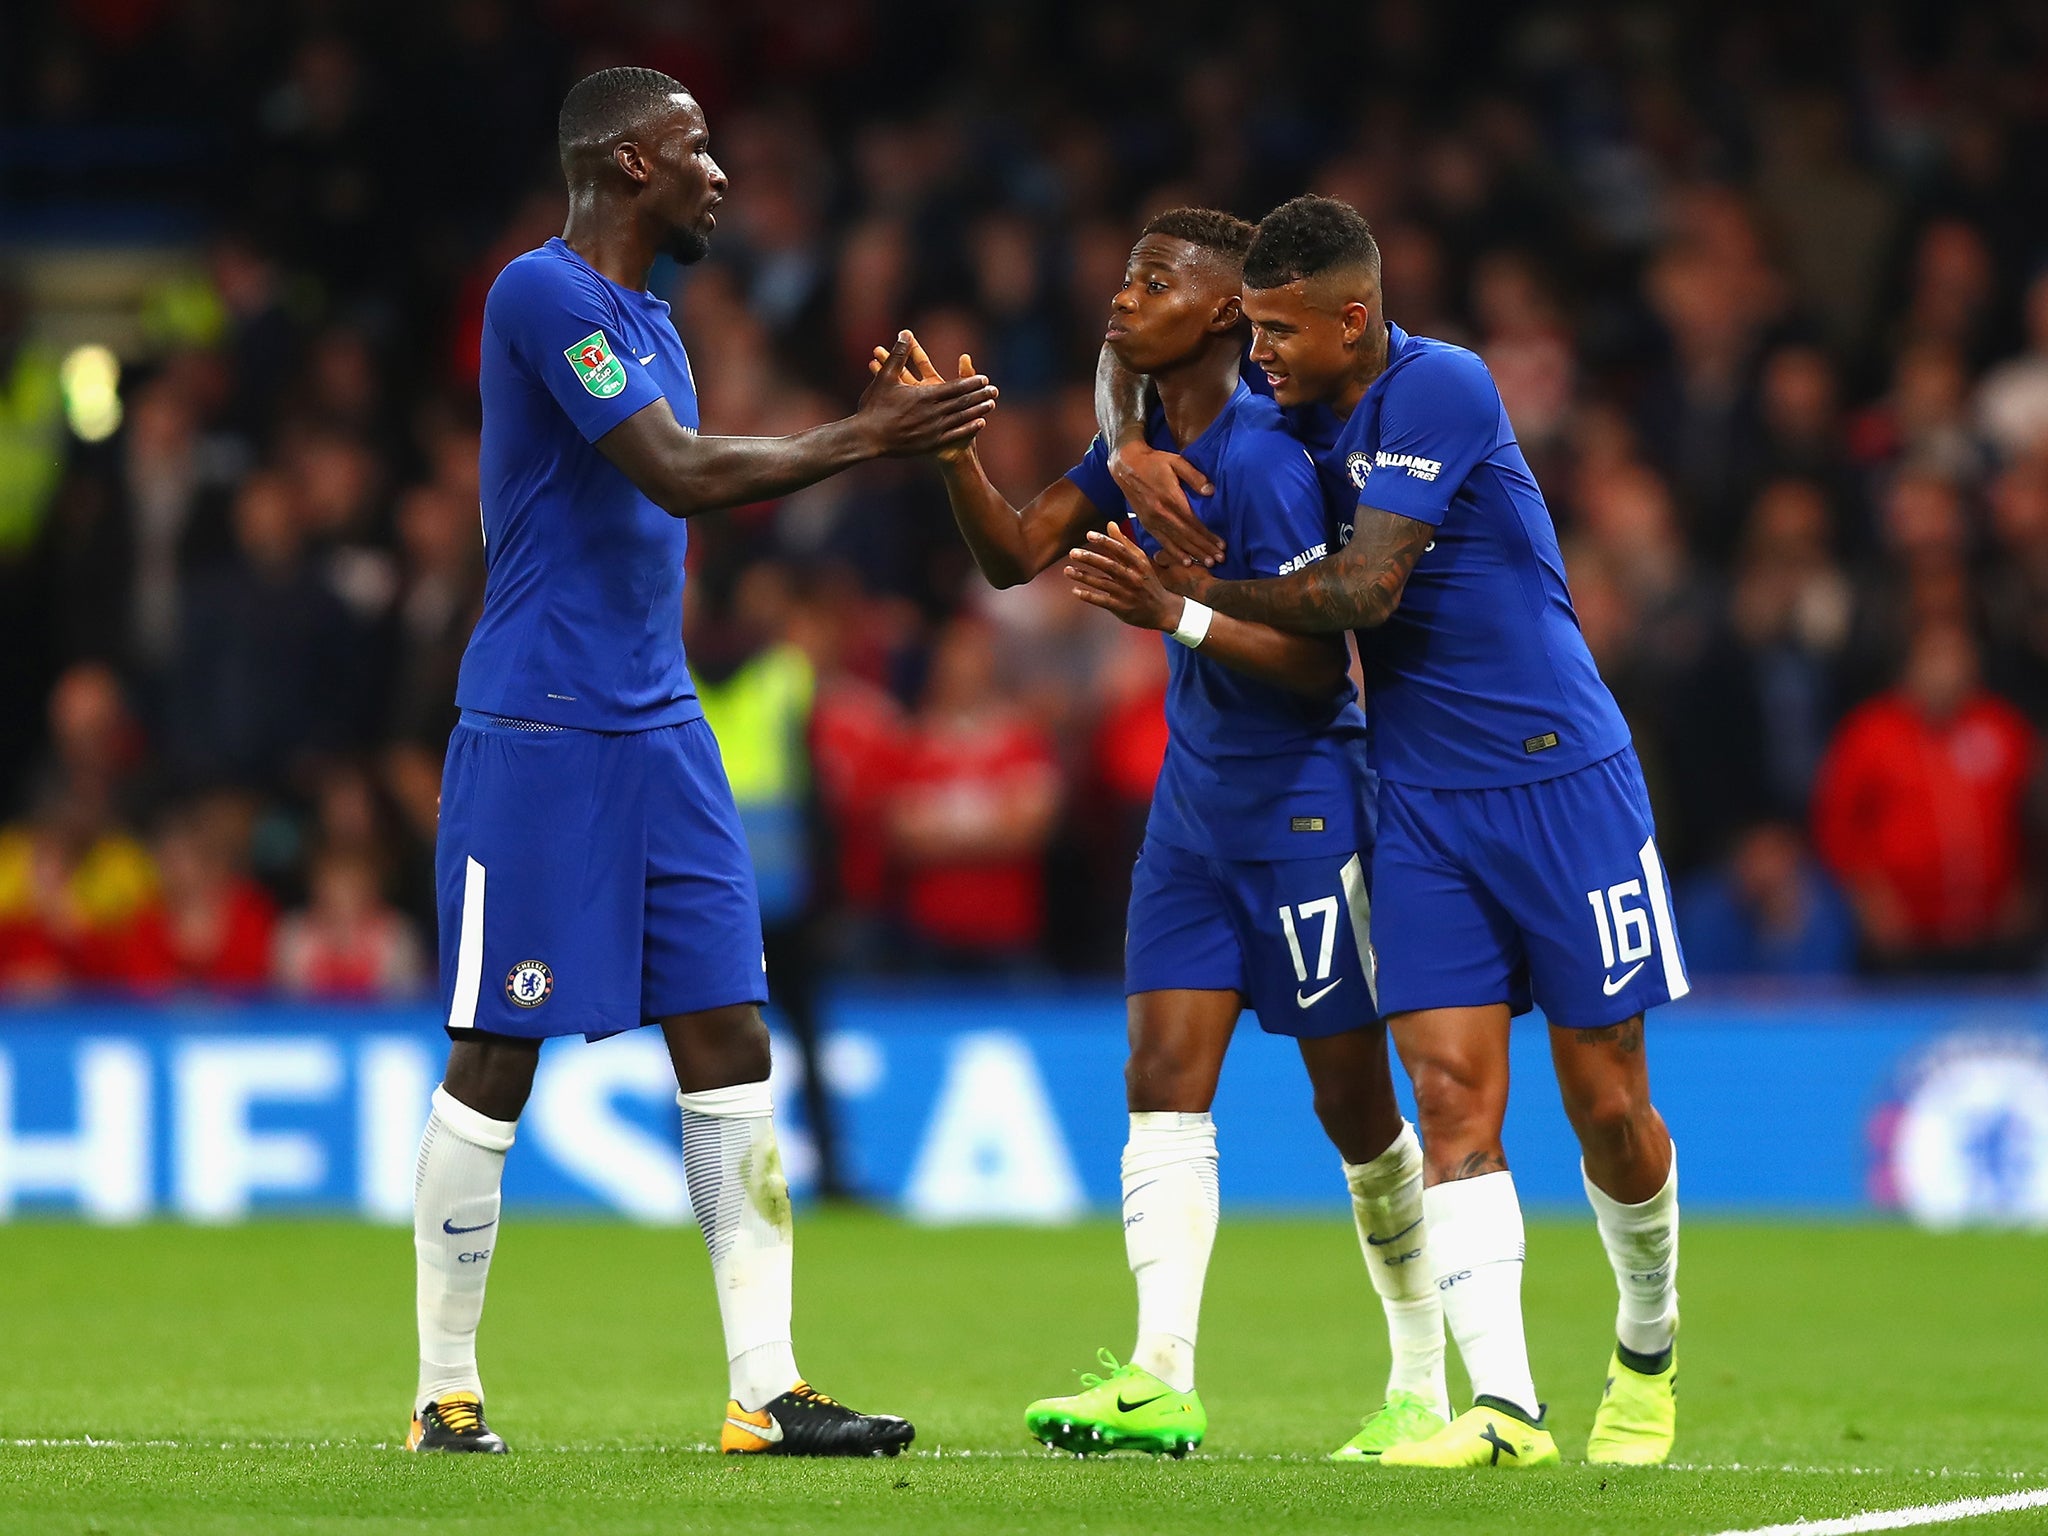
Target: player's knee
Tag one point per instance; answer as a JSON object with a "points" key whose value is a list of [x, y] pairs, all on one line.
{"points": [[492, 1075], [719, 1048], [1445, 1097], [1458, 1119], [1160, 1081], [1610, 1116]]}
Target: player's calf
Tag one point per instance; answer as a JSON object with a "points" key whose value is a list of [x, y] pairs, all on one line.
{"points": [[1603, 1078]]}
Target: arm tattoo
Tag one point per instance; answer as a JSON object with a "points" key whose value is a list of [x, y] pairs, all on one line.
{"points": [[1359, 587], [1477, 1164]]}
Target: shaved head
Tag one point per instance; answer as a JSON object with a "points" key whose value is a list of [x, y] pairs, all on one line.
{"points": [[613, 105], [635, 141]]}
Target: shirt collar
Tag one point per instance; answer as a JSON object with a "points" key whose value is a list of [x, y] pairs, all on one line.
{"points": [[1397, 343]]}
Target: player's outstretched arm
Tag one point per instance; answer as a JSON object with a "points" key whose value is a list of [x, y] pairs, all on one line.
{"points": [[685, 474], [1358, 587], [1155, 483], [1114, 574], [1008, 544]]}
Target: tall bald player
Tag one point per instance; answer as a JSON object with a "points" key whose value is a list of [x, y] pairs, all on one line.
{"points": [[591, 870]]}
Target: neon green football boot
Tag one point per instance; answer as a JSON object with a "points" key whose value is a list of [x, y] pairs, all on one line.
{"points": [[1402, 1420], [1487, 1434], [1126, 1410], [1638, 1417]]}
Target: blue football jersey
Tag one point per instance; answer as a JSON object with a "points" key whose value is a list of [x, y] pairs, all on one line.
{"points": [[1481, 678], [1252, 771], [583, 604]]}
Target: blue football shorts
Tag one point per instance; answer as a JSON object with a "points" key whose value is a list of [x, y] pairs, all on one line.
{"points": [[590, 882], [1551, 890], [1292, 937]]}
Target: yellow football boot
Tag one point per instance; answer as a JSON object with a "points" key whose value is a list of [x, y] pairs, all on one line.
{"points": [[1484, 1435], [1638, 1417]]}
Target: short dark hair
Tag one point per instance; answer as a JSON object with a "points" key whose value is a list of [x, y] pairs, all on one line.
{"points": [[1210, 228], [603, 108], [1306, 236]]}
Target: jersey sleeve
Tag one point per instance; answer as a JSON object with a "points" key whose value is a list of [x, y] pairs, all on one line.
{"points": [[1092, 478], [1277, 505], [559, 325], [1441, 416]]}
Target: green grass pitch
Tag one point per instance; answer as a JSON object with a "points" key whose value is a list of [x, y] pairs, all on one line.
{"points": [[257, 1379]]}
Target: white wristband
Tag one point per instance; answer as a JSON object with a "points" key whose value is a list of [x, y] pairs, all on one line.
{"points": [[1193, 628]]}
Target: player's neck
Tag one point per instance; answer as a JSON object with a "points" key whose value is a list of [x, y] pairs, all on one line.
{"points": [[1372, 362], [1193, 394], [612, 245]]}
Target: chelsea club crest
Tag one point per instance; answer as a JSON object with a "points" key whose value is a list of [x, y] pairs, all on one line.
{"points": [[1359, 466], [529, 983]]}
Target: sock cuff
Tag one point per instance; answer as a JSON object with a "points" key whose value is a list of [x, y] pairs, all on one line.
{"points": [[1487, 1203], [1171, 1120], [1393, 1168], [742, 1101], [1160, 1140], [1654, 1211], [473, 1126]]}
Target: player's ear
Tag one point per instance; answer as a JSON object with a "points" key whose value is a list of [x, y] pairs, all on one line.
{"points": [[1356, 317], [1228, 313], [628, 158]]}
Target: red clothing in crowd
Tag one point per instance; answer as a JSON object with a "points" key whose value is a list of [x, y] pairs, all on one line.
{"points": [[375, 955], [856, 744], [971, 777], [1129, 746], [1929, 813], [229, 954]]}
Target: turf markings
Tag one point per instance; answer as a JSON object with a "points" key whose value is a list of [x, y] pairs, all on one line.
{"points": [[1902, 1519]]}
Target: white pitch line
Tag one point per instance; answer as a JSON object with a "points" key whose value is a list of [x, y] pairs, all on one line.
{"points": [[1901, 1519]]}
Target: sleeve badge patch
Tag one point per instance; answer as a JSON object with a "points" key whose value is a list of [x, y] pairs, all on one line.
{"points": [[595, 366]]}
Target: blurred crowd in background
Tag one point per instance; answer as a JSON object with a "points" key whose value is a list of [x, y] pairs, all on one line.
{"points": [[1765, 289]]}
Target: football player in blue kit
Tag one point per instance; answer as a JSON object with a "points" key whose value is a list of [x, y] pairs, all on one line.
{"points": [[591, 869], [1516, 852], [1250, 888]]}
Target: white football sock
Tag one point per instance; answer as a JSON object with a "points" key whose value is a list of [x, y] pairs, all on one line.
{"points": [[1642, 1245], [1169, 1229], [734, 1170], [454, 1230], [1475, 1236], [1386, 1205]]}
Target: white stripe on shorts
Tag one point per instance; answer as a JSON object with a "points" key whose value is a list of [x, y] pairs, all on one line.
{"points": [[1660, 913], [469, 955], [1359, 905]]}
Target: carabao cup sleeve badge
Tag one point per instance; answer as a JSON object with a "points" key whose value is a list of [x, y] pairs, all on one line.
{"points": [[599, 371]]}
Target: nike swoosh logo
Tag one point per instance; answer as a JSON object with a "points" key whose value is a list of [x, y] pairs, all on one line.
{"points": [[1315, 997], [650, 357], [454, 1231], [771, 1431], [1124, 1407], [1611, 985], [1381, 1242]]}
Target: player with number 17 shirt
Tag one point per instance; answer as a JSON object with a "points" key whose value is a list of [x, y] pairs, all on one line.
{"points": [[1517, 855]]}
